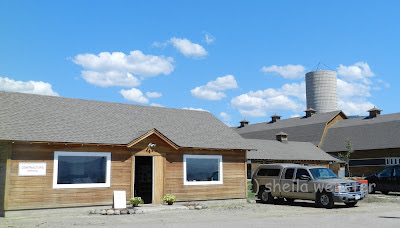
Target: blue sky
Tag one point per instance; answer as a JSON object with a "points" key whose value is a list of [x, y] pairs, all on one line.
{"points": [[236, 59]]}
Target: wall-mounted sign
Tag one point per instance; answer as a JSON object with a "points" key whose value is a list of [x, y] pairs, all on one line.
{"points": [[119, 199], [32, 169]]}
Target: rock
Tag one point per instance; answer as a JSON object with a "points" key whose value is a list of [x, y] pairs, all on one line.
{"points": [[117, 212], [97, 211], [251, 201], [93, 211], [103, 212], [198, 207], [139, 211], [131, 211], [204, 206], [110, 212], [124, 212], [191, 208]]}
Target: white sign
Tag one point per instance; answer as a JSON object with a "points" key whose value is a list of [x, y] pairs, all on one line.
{"points": [[119, 199], [32, 169]]}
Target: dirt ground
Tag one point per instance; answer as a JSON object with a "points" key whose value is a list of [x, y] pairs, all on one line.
{"points": [[374, 211]]}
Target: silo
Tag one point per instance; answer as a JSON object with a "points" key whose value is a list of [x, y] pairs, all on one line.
{"points": [[321, 91]]}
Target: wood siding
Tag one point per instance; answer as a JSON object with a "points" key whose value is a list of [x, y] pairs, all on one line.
{"points": [[37, 192], [5, 155]]}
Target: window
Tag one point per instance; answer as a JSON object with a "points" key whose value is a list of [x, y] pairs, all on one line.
{"points": [[268, 172], [322, 173], [202, 169], [301, 172], [81, 169], [289, 174], [396, 172], [386, 172]]}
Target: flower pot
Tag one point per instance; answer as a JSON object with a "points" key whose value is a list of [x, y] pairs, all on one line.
{"points": [[170, 203]]}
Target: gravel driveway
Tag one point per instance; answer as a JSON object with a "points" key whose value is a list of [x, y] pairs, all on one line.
{"points": [[373, 212]]}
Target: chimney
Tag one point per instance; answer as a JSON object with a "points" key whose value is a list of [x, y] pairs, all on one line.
{"points": [[374, 112], [275, 118], [309, 112], [282, 137], [244, 122]]}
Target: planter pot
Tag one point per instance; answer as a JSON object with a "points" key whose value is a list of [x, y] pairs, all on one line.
{"points": [[170, 203]]}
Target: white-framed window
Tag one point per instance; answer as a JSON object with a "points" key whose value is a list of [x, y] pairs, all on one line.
{"points": [[202, 169], [81, 169]]}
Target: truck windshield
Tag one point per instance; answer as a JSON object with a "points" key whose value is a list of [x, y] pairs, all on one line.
{"points": [[322, 173]]}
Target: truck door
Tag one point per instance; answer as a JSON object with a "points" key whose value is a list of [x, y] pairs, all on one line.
{"points": [[286, 186], [304, 189], [383, 179]]}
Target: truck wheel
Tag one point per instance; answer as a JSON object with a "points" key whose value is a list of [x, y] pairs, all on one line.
{"points": [[265, 196], [351, 204], [324, 199]]}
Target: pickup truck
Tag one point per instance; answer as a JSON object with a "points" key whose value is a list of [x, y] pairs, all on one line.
{"points": [[291, 181]]}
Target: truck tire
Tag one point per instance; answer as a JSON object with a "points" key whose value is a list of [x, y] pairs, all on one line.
{"points": [[324, 199], [265, 196]]}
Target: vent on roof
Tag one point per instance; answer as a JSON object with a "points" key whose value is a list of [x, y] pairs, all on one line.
{"points": [[275, 118], [244, 122], [282, 137], [374, 112], [309, 112]]}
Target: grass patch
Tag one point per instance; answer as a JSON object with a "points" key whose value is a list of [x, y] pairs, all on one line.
{"points": [[373, 199], [250, 194]]}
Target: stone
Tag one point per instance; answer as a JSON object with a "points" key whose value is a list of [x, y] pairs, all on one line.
{"points": [[251, 201], [124, 212], [110, 212], [103, 212], [198, 207], [191, 208], [93, 211], [97, 211], [204, 206], [131, 211], [139, 211], [117, 212]]}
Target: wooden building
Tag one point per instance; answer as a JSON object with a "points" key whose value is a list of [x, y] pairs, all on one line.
{"points": [[61, 152]]}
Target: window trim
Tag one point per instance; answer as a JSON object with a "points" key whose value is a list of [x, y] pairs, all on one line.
{"points": [[220, 171], [85, 154]]}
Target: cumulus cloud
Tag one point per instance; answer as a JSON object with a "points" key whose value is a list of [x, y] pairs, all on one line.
{"points": [[187, 48], [156, 105], [134, 95], [118, 69], [195, 109], [33, 87], [289, 71], [358, 71], [258, 103], [153, 94], [213, 89], [225, 116]]}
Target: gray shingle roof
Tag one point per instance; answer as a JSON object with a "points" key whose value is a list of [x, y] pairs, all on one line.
{"points": [[364, 133], [287, 151], [27, 117], [301, 129]]}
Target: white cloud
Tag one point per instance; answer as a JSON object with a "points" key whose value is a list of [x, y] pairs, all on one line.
{"points": [[153, 94], [289, 71], [134, 95], [208, 38], [195, 109], [156, 105], [258, 103], [187, 48], [213, 89], [358, 71], [294, 116], [352, 89], [118, 69], [355, 106], [225, 116], [33, 87]]}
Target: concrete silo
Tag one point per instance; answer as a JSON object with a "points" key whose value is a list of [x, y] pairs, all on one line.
{"points": [[321, 91]]}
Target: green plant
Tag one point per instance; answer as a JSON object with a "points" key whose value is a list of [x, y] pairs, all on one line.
{"points": [[136, 201], [346, 156], [169, 198]]}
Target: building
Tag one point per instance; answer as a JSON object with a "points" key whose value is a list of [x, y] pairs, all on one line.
{"points": [[282, 150], [61, 152], [374, 139]]}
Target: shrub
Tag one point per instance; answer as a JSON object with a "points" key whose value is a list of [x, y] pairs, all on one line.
{"points": [[169, 198], [136, 201]]}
